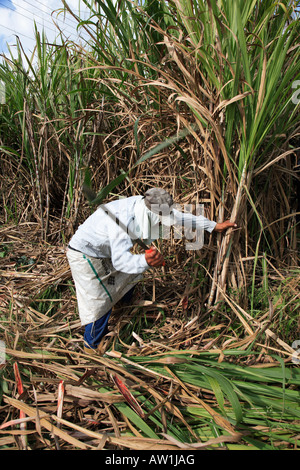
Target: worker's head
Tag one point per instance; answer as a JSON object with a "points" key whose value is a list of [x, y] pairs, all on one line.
{"points": [[159, 201], [153, 209]]}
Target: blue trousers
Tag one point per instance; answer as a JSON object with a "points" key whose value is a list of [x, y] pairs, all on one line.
{"points": [[94, 332]]}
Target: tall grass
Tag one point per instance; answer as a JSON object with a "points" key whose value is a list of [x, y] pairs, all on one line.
{"points": [[229, 68], [45, 124], [221, 71]]}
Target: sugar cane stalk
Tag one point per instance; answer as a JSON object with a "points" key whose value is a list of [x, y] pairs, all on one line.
{"points": [[222, 260]]}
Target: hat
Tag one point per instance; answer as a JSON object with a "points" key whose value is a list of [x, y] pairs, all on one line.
{"points": [[158, 200]]}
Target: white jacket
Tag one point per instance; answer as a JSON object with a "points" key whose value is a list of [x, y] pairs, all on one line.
{"points": [[101, 237]]}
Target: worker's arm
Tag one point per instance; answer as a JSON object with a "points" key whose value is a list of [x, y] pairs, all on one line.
{"points": [[122, 258], [224, 226], [195, 222], [200, 222]]}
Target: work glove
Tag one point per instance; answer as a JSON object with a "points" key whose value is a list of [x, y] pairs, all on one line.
{"points": [[154, 258]]}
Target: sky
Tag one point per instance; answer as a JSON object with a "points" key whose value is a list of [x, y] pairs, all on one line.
{"points": [[17, 19]]}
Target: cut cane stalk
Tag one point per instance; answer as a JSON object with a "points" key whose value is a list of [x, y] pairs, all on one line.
{"points": [[23, 439], [128, 396], [60, 402], [60, 399]]}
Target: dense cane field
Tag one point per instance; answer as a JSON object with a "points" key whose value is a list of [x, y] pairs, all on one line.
{"points": [[200, 98]]}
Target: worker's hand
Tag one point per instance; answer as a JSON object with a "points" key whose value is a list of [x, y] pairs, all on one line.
{"points": [[154, 258], [224, 226]]}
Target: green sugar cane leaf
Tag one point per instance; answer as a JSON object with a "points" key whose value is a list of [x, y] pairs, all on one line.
{"points": [[221, 386], [224, 387], [218, 392], [171, 140], [135, 132], [281, 361], [87, 186], [136, 420], [97, 199]]}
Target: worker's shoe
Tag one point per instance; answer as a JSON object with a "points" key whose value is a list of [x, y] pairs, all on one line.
{"points": [[100, 349]]}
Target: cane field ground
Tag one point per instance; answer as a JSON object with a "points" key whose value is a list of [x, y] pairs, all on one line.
{"points": [[200, 98]]}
